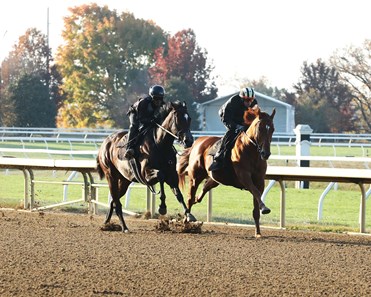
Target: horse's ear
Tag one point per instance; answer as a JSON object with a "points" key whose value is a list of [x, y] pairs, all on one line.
{"points": [[273, 113], [184, 104]]}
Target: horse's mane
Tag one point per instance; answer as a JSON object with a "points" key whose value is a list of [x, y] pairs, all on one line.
{"points": [[250, 115]]}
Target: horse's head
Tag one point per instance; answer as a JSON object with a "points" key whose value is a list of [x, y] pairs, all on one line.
{"points": [[261, 130], [179, 122]]}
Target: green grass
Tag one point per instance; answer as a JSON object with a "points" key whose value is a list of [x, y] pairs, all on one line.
{"points": [[230, 205]]}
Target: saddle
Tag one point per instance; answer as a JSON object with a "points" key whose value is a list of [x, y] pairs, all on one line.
{"points": [[121, 145]]}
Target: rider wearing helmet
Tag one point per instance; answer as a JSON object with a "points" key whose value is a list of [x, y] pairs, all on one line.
{"points": [[142, 114], [231, 114]]}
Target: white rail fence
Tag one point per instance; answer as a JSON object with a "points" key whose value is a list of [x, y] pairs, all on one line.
{"points": [[73, 137]]}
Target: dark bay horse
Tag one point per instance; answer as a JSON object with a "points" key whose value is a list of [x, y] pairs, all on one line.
{"points": [[156, 161], [245, 170]]}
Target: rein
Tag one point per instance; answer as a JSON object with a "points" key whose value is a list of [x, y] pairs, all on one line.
{"points": [[167, 131], [258, 147]]}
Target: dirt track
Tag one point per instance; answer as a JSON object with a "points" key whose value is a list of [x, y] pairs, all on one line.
{"points": [[56, 254]]}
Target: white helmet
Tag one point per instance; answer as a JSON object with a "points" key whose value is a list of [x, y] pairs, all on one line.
{"points": [[247, 92]]}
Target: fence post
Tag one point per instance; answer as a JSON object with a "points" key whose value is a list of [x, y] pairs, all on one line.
{"points": [[303, 133]]}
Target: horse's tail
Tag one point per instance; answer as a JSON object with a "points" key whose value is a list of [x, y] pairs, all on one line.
{"points": [[182, 165], [103, 158], [99, 169]]}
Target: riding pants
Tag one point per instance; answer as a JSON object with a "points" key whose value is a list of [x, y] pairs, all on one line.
{"points": [[227, 143], [133, 130]]}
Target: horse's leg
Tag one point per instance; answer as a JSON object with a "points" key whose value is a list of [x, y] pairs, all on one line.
{"points": [[260, 187], [117, 188], [256, 188], [123, 185], [208, 185], [256, 216], [112, 185], [109, 212], [187, 211], [162, 209], [193, 186], [259, 206]]}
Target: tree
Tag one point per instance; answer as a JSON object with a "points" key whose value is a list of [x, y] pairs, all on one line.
{"points": [[321, 95], [185, 60], [354, 67], [183, 69], [30, 57], [178, 89], [102, 61], [32, 105]]}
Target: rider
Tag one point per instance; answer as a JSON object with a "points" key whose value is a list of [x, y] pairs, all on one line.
{"points": [[142, 114], [231, 114]]}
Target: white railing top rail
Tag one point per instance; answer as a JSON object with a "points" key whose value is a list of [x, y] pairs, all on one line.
{"points": [[101, 133]]}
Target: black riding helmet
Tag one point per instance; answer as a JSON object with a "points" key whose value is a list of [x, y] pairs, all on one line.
{"points": [[157, 92]]}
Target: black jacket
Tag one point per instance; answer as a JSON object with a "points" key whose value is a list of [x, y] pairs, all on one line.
{"points": [[231, 112], [144, 110]]}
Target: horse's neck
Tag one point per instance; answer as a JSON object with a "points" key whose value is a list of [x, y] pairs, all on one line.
{"points": [[247, 141], [163, 138]]}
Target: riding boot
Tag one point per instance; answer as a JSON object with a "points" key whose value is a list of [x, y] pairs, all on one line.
{"points": [[226, 146], [218, 160]]}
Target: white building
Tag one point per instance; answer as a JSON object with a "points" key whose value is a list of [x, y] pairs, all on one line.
{"points": [[284, 120]]}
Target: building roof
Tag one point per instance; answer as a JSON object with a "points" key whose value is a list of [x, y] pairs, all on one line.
{"points": [[260, 95]]}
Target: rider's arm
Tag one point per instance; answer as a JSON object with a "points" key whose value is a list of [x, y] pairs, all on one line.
{"points": [[143, 116], [227, 116]]}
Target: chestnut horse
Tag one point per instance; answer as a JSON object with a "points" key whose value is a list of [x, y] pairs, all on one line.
{"points": [[245, 169], [156, 161]]}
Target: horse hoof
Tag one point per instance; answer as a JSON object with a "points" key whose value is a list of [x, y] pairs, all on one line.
{"points": [[265, 210], [126, 231], [190, 218], [162, 211]]}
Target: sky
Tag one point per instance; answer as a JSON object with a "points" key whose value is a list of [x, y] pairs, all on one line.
{"points": [[243, 38]]}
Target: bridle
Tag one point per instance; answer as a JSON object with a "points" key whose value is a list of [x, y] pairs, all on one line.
{"points": [[177, 137], [258, 147], [255, 143]]}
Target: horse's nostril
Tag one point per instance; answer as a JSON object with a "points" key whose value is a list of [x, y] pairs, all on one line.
{"points": [[264, 155]]}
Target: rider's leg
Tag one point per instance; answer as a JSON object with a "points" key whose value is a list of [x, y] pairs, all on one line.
{"points": [[132, 134], [219, 157]]}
